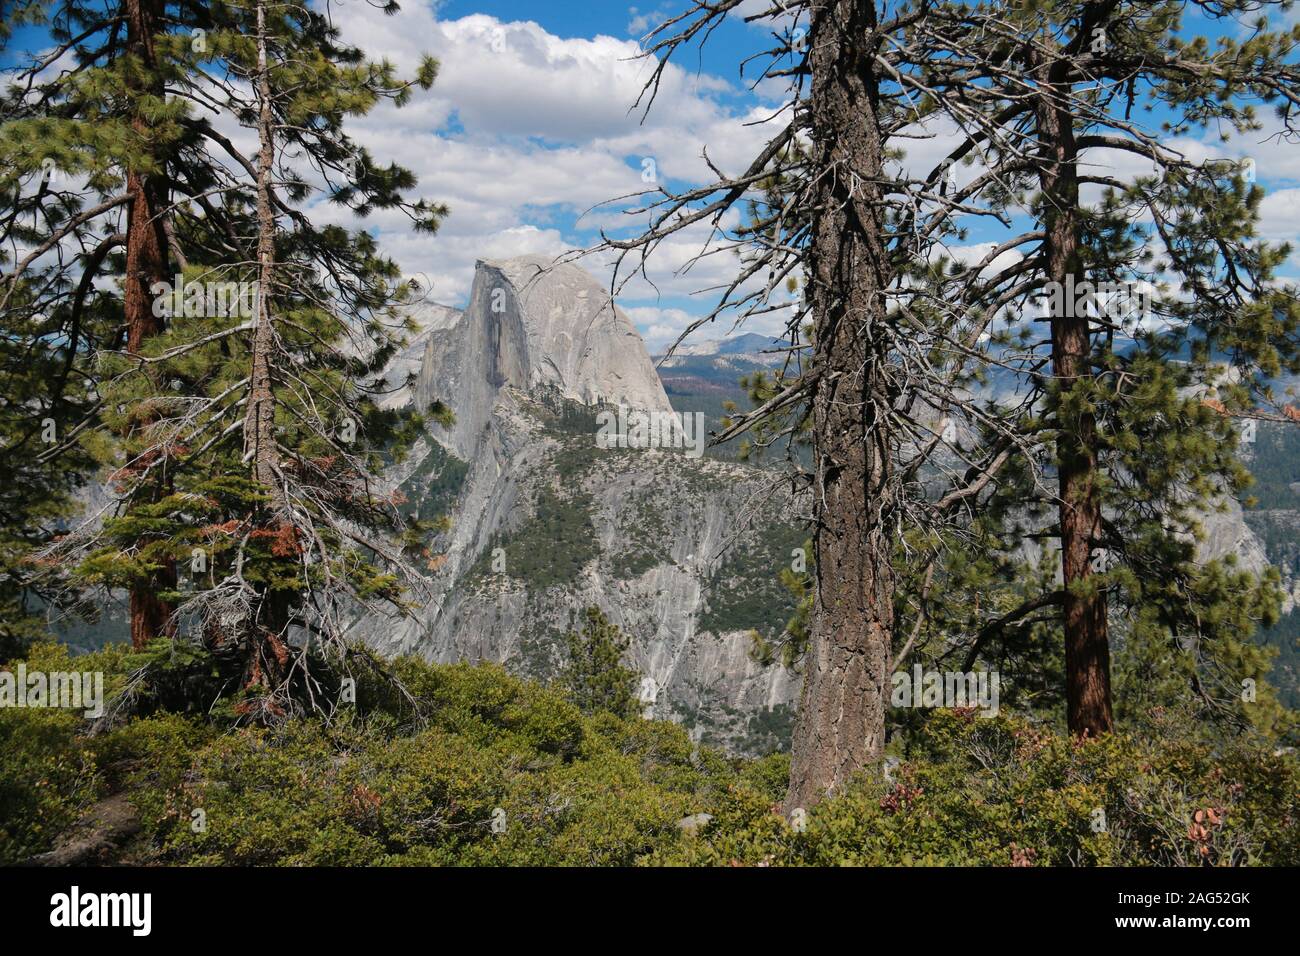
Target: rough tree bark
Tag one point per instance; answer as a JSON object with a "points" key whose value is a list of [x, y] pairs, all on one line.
{"points": [[268, 653], [259, 421], [146, 264], [841, 723], [1087, 648]]}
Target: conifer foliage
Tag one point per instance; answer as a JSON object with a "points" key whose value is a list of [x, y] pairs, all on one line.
{"points": [[233, 408], [595, 677]]}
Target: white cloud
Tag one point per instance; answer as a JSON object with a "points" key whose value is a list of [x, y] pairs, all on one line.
{"points": [[660, 327], [525, 130], [640, 22], [1279, 214], [1279, 221]]}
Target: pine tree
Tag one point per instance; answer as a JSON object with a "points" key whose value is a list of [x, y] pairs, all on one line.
{"points": [[60, 156], [250, 443], [594, 675], [1136, 434], [865, 388]]}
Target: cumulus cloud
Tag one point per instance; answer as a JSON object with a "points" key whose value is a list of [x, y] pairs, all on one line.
{"points": [[1279, 213], [524, 131]]}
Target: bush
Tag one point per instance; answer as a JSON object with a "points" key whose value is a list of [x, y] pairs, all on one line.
{"points": [[569, 789], [48, 770], [47, 777], [471, 766], [1002, 792]]}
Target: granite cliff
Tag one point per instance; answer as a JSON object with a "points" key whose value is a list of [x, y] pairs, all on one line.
{"points": [[679, 551]]}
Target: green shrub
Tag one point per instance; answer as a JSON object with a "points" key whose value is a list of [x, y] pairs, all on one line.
{"points": [[48, 770], [468, 765], [47, 776], [1002, 792]]}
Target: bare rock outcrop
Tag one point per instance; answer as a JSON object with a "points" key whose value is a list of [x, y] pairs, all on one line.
{"points": [[545, 522]]}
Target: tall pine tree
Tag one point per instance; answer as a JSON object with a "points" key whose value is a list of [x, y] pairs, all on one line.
{"points": [[248, 446]]}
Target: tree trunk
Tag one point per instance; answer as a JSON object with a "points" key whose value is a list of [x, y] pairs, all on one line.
{"points": [[268, 653], [146, 264], [841, 723], [259, 420], [1087, 648]]}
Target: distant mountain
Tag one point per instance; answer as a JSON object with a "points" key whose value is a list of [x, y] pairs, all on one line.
{"points": [[701, 376], [748, 344], [680, 552]]}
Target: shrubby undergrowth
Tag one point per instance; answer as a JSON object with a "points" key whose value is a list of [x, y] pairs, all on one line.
{"points": [[417, 772]]}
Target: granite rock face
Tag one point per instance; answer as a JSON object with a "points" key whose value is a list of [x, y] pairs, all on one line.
{"points": [[399, 391], [545, 522], [531, 326], [1226, 533]]}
